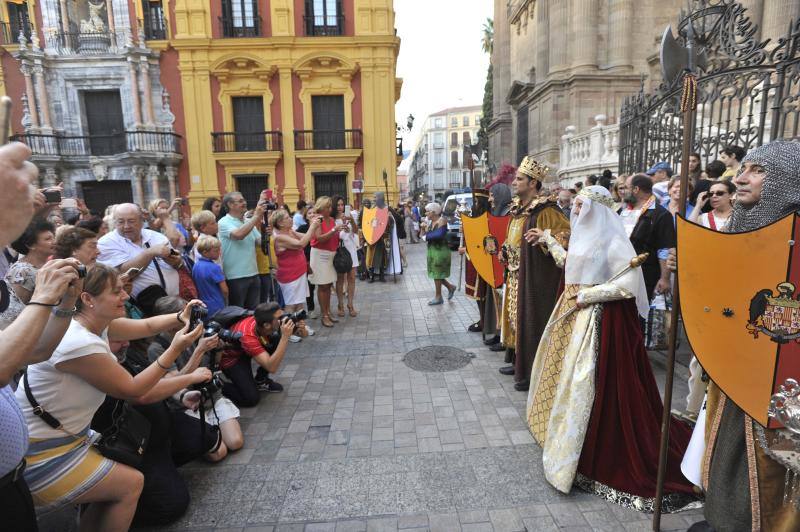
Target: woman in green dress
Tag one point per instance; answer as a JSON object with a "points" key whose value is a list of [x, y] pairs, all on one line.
{"points": [[435, 234]]}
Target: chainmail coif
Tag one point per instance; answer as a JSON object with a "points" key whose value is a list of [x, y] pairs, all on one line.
{"points": [[781, 192]]}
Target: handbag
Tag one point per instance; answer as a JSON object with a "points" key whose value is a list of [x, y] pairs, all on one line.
{"points": [[125, 441], [342, 261]]}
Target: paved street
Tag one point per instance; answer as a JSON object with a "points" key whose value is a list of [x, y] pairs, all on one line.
{"points": [[358, 441]]}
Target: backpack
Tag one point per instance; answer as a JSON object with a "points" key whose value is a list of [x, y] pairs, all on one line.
{"points": [[228, 316]]}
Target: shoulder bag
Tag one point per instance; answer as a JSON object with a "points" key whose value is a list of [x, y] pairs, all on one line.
{"points": [[342, 261]]}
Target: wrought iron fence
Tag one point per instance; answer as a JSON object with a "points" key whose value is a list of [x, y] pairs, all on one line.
{"points": [[237, 27], [340, 139], [98, 145], [154, 24], [748, 92], [225, 141], [81, 42], [324, 26]]}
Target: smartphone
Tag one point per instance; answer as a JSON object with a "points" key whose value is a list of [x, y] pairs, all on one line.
{"points": [[184, 201], [69, 203], [132, 272], [52, 196], [267, 194], [347, 210]]}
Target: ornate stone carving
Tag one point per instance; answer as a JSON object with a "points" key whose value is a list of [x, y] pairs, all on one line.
{"points": [[95, 23], [99, 169]]}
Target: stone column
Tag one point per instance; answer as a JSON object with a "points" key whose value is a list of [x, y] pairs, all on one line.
{"points": [[138, 185], [620, 22], [30, 93], [542, 41], [584, 33], [137, 107], [41, 96], [111, 28], [172, 173], [62, 6], [152, 181], [558, 39], [778, 14], [501, 60], [147, 92]]}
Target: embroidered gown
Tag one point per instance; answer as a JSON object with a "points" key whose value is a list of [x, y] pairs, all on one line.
{"points": [[594, 405]]}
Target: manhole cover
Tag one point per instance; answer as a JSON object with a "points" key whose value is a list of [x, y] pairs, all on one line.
{"points": [[437, 358]]}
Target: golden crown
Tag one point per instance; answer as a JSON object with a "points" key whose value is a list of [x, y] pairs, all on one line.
{"points": [[533, 169]]}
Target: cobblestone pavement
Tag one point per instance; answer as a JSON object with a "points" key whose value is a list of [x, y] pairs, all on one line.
{"points": [[358, 441]]}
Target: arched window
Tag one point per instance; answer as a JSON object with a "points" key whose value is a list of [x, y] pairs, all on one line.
{"points": [[453, 159], [454, 139]]}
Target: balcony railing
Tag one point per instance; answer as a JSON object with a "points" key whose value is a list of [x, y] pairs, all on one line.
{"points": [[9, 32], [322, 26], [340, 139], [81, 42], [589, 152], [155, 26], [98, 145], [399, 146], [239, 27], [226, 141]]}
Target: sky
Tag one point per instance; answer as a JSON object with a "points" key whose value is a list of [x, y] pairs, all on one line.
{"points": [[440, 61]]}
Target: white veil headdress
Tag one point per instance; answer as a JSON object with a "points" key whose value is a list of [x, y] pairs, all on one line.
{"points": [[599, 248]]}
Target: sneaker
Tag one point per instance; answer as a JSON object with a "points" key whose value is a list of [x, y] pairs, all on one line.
{"points": [[294, 339], [269, 385], [435, 301], [310, 331]]}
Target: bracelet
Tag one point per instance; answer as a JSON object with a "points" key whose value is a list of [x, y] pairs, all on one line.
{"points": [[180, 318], [158, 361], [63, 313], [40, 304]]}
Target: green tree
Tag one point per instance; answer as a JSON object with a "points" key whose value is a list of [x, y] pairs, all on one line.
{"points": [[487, 43]]}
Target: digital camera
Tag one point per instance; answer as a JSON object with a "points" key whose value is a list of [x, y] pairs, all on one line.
{"points": [[196, 316], [294, 317], [225, 335]]}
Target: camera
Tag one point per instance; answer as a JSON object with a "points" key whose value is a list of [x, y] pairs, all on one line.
{"points": [[196, 316], [52, 196], [294, 317], [225, 335], [174, 252], [81, 271], [208, 389]]}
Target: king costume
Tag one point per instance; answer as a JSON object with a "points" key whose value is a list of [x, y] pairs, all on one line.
{"points": [[532, 276], [593, 404]]}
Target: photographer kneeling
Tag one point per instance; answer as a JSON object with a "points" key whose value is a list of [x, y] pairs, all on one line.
{"points": [[219, 411], [265, 336]]}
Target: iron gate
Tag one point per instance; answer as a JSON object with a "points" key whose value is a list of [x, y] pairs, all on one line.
{"points": [[748, 92]]}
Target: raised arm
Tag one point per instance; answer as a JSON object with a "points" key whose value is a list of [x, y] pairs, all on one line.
{"points": [[127, 329]]}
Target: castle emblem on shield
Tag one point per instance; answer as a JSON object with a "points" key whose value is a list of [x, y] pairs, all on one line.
{"points": [[776, 315]]}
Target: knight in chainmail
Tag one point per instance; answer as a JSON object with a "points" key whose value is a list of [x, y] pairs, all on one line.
{"points": [[744, 486]]}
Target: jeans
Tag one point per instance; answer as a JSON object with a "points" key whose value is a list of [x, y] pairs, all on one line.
{"points": [[244, 292], [242, 390]]}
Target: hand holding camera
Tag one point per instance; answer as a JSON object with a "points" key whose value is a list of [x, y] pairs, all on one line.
{"points": [[59, 281], [201, 375], [190, 316], [186, 337], [287, 328], [208, 343]]}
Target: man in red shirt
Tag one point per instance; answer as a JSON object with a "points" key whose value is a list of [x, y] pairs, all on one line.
{"points": [[257, 343]]}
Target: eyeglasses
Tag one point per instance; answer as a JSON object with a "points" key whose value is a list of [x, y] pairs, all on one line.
{"points": [[718, 193]]}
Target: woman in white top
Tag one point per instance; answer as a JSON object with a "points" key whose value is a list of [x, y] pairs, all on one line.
{"points": [[63, 467], [348, 236], [720, 194]]}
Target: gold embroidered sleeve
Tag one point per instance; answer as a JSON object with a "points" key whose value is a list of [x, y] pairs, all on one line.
{"points": [[554, 247], [602, 293]]}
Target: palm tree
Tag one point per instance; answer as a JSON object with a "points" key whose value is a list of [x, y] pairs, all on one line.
{"points": [[487, 41]]}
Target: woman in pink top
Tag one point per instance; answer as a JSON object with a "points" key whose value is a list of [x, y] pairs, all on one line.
{"points": [[292, 267], [325, 240]]}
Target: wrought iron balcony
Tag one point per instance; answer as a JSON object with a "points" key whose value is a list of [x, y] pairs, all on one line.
{"points": [[81, 42], [155, 26], [99, 145], [240, 27], [322, 26], [9, 32], [228, 141], [340, 139]]}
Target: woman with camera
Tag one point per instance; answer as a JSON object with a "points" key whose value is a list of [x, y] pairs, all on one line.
{"points": [[348, 235], [63, 465], [292, 269], [325, 240]]}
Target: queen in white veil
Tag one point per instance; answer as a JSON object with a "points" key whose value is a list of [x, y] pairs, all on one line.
{"points": [[593, 404]]}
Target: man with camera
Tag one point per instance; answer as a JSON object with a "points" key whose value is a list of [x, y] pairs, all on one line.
{"points": [[239, 238], [265, 336]]}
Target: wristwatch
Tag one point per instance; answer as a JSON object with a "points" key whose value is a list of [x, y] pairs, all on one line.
{"points": [[61, 313]]}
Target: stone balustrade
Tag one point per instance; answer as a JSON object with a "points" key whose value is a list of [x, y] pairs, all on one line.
{"points": [[589, 152]]}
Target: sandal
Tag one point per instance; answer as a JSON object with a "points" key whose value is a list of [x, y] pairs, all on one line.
{"points": [[334, 320], [326, 322], [353, 312], [340, 312]]}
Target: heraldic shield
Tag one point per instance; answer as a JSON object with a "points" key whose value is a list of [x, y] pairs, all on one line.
{"points": [[740, 307], [374, 223], [484, 235]]}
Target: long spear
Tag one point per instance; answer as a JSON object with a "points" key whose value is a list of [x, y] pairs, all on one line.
{"points": [[688, 108]]}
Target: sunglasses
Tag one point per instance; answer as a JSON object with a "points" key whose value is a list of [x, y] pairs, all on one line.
{"points": [[718, 193]]}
